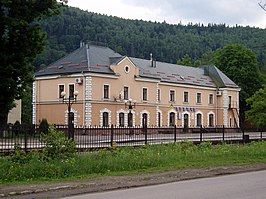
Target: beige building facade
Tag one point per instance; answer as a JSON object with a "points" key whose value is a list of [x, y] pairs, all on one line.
{"points": [[15, 114], [161, 94]]}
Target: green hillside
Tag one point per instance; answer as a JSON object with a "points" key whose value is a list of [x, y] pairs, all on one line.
{"points": [[139, 38]]}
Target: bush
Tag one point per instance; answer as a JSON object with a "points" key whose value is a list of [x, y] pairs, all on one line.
{"points": [[19, 155], [57, 145]]}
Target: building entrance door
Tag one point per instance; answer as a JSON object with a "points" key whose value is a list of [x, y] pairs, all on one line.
{"points": [[144, 119]]}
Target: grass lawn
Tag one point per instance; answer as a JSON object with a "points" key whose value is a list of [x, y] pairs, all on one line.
{"points": [[33, 167]]}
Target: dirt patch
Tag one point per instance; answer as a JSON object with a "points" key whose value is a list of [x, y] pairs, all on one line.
{"points": [[62, 189]]}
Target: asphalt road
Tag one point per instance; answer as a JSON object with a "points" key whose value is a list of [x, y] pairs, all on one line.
{"points": [[250, 185]]}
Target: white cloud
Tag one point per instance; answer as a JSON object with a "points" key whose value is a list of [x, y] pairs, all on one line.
{"points": [[231, 12]]}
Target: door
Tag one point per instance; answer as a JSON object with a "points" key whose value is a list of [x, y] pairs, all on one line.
{"points": [[186, 120], [130, 119], [144, 120]]}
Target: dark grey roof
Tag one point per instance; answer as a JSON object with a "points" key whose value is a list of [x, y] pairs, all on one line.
{"points": [[173, 73], [220, 79], [87, 58], [97, 59]]}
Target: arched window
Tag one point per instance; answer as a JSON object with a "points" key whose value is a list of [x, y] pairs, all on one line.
{"points": [[130, 119], [105, 119], [172, 119], [199, 119], [121, 119], [211, 120], [186, 118], [159, 119], [144, 119]]}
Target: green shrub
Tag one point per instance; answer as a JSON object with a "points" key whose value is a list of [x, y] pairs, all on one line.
{"points": [[57, 145], [18, 155]]}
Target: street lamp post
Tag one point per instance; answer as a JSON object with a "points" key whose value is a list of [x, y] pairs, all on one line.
{"points": [[69, 101], [130, 105]]}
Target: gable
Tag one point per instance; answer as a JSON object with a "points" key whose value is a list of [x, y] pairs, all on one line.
{"points": [[125, 67]]}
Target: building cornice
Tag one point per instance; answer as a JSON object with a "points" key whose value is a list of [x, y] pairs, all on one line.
{"points": [[141, 79], [187, 86], [77, 75], [230, 89]]}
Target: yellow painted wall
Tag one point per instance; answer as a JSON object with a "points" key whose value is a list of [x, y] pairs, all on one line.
{"points": [[49, 106]]}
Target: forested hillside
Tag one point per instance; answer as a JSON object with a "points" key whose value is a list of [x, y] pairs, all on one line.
{"points": [[139, 38]]}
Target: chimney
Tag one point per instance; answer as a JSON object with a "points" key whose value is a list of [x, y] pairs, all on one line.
{"points": [[154, 63], [151, 59]]}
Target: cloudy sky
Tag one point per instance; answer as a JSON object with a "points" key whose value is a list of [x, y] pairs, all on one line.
{"points": [[230, 12]]}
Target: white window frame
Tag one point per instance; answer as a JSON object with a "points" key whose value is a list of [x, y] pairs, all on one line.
{"points": [[211, 94], [197, 102], [59, 93], [184, 97], [109, 116], [127, 93], [108, 97], [69, 89], [196, 119], [147, 97], [125, 69], [158, 94], [170, 100], [214, 121]]}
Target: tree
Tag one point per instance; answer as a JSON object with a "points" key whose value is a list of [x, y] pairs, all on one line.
{"points": [[185, 61], [240, 64], [257, 113], [21, 39]]}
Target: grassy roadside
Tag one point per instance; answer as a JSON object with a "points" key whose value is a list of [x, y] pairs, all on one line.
{"points": [[113, 161]]}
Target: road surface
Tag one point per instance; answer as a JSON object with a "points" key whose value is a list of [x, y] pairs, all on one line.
{"points": [[250, 185]]}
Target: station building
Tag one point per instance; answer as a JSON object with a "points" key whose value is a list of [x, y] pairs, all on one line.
{"points": [[128, 91]]}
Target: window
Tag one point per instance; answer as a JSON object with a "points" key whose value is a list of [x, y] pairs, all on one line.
{"points": [[130, 119], [172, 95], [186, 97], [186, 119], [106, 91], [121, 119], [71, 91], [172, 119], [61, 88], [126, 69], [126, 92], [198, 98], [210, 98], [211, 122], [199, 119], [144, 94], [159, 119], [144, 120], [105, 119], [230, 101], [159, 95]]}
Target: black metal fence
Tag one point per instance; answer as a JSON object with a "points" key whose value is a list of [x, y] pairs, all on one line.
{"points": [[88, 138]]}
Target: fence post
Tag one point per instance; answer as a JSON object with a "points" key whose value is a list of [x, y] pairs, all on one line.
{"points": [[146, 134], [243, 135], [223, 132], [112, 134], [175, 134], [261, 133], [25, 140], [200, 133]]}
